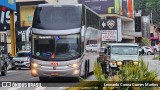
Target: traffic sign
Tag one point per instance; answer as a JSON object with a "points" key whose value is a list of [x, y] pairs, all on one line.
{"points": [[11, 4]]}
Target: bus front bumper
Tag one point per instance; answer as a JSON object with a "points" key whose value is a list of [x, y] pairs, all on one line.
{"points": [[68, 72]]}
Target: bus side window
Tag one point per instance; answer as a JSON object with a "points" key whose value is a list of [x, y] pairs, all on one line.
{"points": [[109, 50]]}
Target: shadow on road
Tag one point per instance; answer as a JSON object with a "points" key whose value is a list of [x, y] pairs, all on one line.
{"points": [[60, 80]]}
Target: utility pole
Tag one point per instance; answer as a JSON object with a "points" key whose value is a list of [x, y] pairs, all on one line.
{"points": [[12, 30], [151, 18]]}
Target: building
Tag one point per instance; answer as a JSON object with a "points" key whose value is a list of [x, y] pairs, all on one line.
{"points": [[154, 35], [25, 9], [23, 19], [111, 9]]}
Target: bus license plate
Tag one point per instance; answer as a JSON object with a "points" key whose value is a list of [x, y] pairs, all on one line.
{"points": [[54, 74]]}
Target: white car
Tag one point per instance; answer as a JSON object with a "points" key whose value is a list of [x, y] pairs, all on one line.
{"points": [[21, 60], [148, 50], [156, 48]]}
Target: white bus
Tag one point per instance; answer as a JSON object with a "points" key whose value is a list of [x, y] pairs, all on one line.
{"points": [[59, 36]]}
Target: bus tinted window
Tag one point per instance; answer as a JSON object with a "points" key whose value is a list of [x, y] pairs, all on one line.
{"points": [[57, 18]]}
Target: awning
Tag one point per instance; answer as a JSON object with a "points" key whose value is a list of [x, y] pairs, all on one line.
{"points": [[154, 38]]}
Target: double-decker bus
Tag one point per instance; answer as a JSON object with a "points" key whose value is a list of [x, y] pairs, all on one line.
{"points": [[60, 34]]}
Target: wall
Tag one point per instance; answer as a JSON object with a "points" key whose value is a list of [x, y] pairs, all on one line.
{"points": [[28, 0], [62, 1], [26, 15], [128, 27]]}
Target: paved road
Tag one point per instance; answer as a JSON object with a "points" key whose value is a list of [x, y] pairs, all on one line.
{"points": [[24, 75], [153, 64], [60, 83]]}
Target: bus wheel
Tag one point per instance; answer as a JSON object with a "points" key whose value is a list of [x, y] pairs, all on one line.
{"points": [[85, 71]]}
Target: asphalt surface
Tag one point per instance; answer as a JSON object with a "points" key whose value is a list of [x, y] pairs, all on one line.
{"points": [[58, 83]]}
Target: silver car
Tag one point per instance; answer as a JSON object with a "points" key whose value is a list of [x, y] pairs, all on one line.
{"points": [[21, 60]]}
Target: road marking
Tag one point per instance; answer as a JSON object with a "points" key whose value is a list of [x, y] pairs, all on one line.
{"points": [[14, 88], [40, 88]]}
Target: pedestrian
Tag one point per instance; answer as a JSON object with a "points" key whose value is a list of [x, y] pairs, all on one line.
{"points": [[159, 49], [9, 56], [142, 51]]}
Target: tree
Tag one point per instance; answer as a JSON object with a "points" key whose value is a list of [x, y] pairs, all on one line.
{"points": [[146, 41], [148, 6]]}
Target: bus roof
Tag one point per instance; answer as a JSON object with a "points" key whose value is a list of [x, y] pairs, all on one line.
{"points": [[123, 44], [45, 5]]}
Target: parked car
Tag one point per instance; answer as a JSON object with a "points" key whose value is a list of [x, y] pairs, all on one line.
{"points": [[3, 65], [21, 60], [148, 50], [156, 48]]}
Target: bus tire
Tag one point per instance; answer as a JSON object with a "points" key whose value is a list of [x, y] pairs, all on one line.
{"points": [[85, 70]]}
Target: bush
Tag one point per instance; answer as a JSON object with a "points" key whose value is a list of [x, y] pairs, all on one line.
{"points": [[137, 73]]}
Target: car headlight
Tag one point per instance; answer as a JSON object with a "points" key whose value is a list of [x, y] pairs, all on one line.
{"points": [[75, 65], [135, 62], [119, 63], [113, 62], [35, 65]]}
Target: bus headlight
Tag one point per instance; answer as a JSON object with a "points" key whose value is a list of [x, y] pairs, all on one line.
{"points": [[135, 62], [35, 65], [33, 72], [76, 72], [119, 63], [75, 65]]}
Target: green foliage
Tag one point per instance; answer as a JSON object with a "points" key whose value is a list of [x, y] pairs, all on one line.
{"points": [[148, 6], [146, 41], [98, 73], [140, 72], [131, 72]]}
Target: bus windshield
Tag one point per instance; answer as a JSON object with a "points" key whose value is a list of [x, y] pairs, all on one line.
{"points": [[125, 50], [57, 17], [56, 47]]}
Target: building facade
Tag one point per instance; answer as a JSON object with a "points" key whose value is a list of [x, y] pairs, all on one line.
{"points": [[119, 9], [22, 18]]}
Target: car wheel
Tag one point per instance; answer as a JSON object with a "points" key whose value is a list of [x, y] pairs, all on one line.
{"points": [[4, 72], [13, 68], [149, 53]]}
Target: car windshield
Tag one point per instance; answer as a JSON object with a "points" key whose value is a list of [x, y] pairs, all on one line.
{"points": [[56, 47], [22, 55], [125, 50]]}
